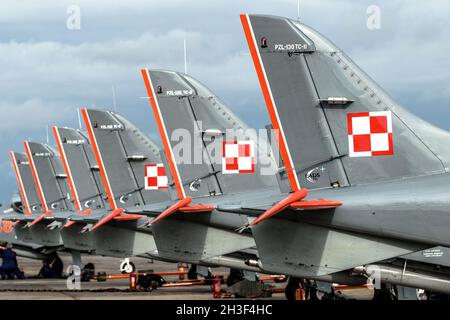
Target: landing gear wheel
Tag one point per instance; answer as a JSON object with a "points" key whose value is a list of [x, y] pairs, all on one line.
{"points": [[234, 277], [150, 281], [126, 266], [192, 272], [384, 294]]}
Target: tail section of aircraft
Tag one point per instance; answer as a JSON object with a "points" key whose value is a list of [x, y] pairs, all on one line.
{"points": [[338, 127], [81, 169], [49, 177], [130, 165], [192, 124], [28, 194], [209, 148]]}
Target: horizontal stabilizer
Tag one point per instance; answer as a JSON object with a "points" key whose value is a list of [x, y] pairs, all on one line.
{"points": [[69, 224], [282, 205], [108, 218], [173, 208], [272, 205], [84, 213], [40, 218], [198, 208], [183, 206], [128, 217]]}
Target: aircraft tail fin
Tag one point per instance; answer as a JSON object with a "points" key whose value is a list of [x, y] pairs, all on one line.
{"points": [[78, 162], [28, 194], [210, 149], [49, 177], [129, 162], [338, 127]]}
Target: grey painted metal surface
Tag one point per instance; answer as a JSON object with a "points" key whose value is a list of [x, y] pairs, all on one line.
{"points": [[302, 81], [318, 257], [51, 176], [188, 107], [188, 110], [26, 178], [88, 187], [125, 151], [55, 190], [306, 74]]}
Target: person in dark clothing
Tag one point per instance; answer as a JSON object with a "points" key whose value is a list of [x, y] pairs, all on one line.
{"points": [[52, 267], [9, 268]]}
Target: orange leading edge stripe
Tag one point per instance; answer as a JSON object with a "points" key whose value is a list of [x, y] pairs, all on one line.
{"points": [[103, 173], [66, 168], [36, 178], [20, 183], [163, 134], [273, 113]]}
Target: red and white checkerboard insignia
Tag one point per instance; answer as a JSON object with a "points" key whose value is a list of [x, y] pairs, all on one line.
{"points": [[238, 157], [370, 134], [155, 177]]}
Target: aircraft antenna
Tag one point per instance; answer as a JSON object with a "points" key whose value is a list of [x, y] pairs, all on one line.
{"points": [[79, 119], [185, 56], [114, 98]]}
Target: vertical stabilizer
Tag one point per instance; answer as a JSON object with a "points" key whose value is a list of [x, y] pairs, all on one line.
{"points": [[126, 159], [49, 177], [212, 150], [338, 126], [28, 194]]}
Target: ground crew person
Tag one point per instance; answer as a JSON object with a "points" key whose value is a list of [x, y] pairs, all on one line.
{"points": [[9, 268], [52, 267]]}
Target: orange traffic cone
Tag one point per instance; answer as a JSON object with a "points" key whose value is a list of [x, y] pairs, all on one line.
{"points": [[133, 282]]}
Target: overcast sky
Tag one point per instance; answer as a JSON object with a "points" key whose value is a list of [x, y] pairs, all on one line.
{"points": [[47, 71]]}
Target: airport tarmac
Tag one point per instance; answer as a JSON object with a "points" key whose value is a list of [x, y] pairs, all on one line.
{"points": [[33, 288], [56, 289]]}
